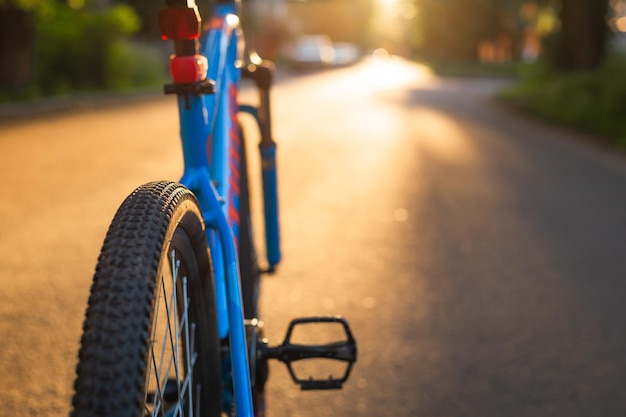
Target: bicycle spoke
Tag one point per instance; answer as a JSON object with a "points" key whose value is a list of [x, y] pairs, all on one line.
{"points": [[176, 331], [189, 372], [170, 312], [159, 371], [162, 375], [158, 393]]}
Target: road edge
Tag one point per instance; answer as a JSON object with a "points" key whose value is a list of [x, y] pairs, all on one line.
{"points": [[21, 111]]}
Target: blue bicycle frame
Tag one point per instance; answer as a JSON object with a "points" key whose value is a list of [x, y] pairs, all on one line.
{"points": [[212, 151], [211, 148], [130, 297]]}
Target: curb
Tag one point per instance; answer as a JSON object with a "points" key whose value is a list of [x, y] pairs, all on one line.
{"points": [[20, 111], [23, 110]]}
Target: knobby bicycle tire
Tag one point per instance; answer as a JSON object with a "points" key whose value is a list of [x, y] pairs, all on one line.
{"points": [[250, 278], [139, 355]]}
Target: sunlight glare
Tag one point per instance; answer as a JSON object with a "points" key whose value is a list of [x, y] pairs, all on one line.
{"points": [[387, 3], [398, 8], [620, 24], [443, 138], [388, 71]]}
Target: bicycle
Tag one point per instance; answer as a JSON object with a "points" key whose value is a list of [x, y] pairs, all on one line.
{"points": [[171, 327]]}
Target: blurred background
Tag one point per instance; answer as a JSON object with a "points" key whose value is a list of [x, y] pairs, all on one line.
{"points": [[477, 249], [56, 47]]}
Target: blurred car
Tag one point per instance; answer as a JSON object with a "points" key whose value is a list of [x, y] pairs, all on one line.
{"points": [[345, 54], [312, 51]]}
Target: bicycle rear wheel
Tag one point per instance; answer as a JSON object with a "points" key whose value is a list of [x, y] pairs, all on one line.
{"points": [[150, 344], [250, 280], [248, 260]]}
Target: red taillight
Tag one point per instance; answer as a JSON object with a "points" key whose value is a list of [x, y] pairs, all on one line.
{"points": [[179, 23], [188, 69]]}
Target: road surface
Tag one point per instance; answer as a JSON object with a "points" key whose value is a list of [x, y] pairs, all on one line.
{"points": [[479, 255]]}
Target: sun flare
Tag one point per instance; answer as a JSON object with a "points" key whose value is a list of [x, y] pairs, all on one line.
{"points": [[403, 9], [386, 4]]}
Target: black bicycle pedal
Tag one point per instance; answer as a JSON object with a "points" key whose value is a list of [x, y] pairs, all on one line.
{"points": [[307, 339]]}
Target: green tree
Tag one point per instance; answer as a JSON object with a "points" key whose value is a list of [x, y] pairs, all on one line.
{"points": [[53, 46], [454, 29], [76, 46], [148, 12], [582, 41], [17, 42]]}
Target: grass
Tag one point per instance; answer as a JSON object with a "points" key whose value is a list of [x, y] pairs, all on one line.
{"points": [[130, 67], [592, 101], [511, 70]]}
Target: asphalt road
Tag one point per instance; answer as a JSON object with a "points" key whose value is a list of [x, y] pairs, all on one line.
{"points": [[479, 255]]}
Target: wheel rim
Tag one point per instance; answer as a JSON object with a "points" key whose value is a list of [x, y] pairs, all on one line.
{"points": [[170, 390]]}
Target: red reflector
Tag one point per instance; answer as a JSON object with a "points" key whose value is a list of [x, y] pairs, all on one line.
{"points": [[179, 24], [188, 69]]}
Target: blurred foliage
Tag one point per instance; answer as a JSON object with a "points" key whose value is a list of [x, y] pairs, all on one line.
{"points": [[27, 4], [148, 13], [75, 47], [582, 39], [453, 29], [574, 31], [505, 70], [134, 64], [591, 100], [79, 46]]}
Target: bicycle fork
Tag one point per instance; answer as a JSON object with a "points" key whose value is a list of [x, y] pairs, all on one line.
{"points": [[262, 74], [291, 351]]}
